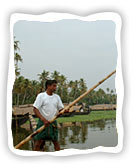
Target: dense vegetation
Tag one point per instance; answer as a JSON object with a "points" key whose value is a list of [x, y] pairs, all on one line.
{"points": [[26, 90]]}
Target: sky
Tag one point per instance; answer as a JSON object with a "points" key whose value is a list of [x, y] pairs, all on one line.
{"points": [[77, 49]]}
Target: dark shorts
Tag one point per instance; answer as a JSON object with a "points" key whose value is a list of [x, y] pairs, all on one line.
{"points": [[49, 133]]}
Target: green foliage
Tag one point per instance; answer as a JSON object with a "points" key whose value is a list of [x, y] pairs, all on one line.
{"points": [[25, 90]]}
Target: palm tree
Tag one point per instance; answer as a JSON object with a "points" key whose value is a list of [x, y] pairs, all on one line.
{"points": [[35, 87], [55, 75], [108, 90], [16, 47], [17, 57], [26, 87], [17, 89], [62, 88], [112, 91], [43, 77], [17, 71], [74, 89], [82, 86], [100, 94]]}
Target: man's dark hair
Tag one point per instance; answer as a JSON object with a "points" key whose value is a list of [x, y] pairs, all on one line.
{"points": [[50, 82]]}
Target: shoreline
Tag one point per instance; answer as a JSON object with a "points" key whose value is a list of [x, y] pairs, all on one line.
{"points": [[93, 116]]}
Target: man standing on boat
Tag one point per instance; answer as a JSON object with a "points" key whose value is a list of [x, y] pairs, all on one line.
{"points": [[46, 106]]}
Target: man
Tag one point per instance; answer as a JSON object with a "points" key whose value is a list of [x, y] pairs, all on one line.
{"points": [[46, 106]]}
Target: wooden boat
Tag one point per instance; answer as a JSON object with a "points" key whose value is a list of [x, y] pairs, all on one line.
{"points": [[18, 120], [76, 113], [103, 107]]}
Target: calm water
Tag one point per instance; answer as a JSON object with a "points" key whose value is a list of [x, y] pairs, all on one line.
{"points": [[83, 135]]}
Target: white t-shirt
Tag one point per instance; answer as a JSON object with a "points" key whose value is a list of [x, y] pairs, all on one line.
{"points": [[48, 105]]}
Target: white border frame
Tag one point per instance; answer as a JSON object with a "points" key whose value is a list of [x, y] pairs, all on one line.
{"points": [[50, 17]]}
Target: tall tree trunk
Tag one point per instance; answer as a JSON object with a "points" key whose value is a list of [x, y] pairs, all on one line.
{"points": [[24, 98], [18, 95]]}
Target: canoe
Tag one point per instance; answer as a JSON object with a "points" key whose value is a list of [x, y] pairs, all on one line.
{"points": [[19, 120], [75, 113]]}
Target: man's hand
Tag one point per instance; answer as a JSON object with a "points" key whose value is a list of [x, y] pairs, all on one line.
{"points": [[66, 111], [37, 113], [46, 122]]}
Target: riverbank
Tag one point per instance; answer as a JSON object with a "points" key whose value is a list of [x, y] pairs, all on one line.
{"points": [[93, 116]]}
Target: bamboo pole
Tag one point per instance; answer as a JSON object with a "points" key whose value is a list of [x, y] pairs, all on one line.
{"points": [[61, 112]]}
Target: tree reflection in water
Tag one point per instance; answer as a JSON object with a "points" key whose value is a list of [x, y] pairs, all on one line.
{"points": [[84, 131], [18, 135], [63, 133], [81, 135], [101, 124], [75, 136], [77, 133]]}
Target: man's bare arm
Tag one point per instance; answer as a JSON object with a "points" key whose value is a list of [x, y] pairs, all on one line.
{"points": [[37, 113]]}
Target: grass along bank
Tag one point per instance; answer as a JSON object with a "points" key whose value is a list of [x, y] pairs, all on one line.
{"points": [[93, 116]]}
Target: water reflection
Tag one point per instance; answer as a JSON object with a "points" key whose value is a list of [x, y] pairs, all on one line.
{"points": [[84, 135], [18, 135]]}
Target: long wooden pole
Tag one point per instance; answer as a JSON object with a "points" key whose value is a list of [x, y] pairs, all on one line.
{"points": [[61, 112]]}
